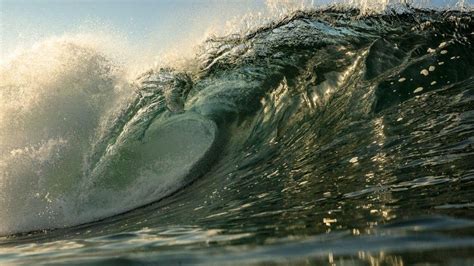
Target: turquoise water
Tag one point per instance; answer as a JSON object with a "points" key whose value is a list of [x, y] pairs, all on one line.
{"points": [[323, 136]]}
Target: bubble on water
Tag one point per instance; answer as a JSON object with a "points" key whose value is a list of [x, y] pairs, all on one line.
{"points": [[432, 68], [424, 72], [402, 80]]}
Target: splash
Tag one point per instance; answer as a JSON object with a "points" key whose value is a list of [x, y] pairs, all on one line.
{"points": [[57, 101], [51, 99]]}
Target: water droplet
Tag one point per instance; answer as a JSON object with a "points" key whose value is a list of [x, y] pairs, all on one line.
{"points": [[419, 89], [303, 183], [354, 160], [329, 221]]}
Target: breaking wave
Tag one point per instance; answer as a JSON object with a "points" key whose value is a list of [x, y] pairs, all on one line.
{"points": [[319, 111]]}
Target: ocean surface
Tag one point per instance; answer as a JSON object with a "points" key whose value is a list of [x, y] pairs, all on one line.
{"points": [[328, 136]]}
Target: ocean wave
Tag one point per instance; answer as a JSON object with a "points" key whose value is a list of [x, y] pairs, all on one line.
{"points": [[321, 108]]}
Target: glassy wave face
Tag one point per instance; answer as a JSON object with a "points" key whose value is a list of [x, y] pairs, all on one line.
{"points": [[323, 137]]}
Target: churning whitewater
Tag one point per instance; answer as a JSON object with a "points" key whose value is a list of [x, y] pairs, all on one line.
{"points": [[323, 115]]}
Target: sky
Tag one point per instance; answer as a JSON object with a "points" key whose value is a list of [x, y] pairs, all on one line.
{"points": [[162, 22], [142, 24]]}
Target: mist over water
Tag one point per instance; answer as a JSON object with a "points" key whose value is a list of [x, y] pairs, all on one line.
{"points": [[241, 133]]}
